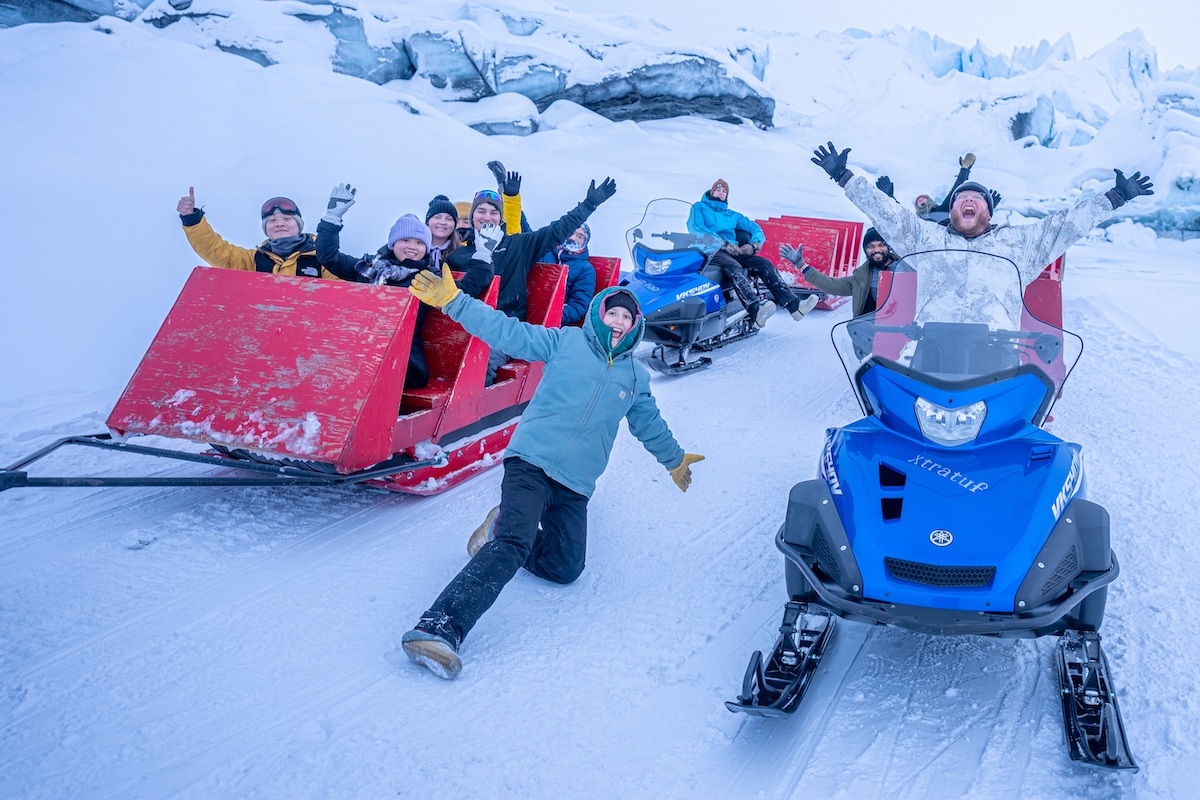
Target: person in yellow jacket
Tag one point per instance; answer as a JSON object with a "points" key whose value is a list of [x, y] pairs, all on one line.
{"points": [[287, 250]]}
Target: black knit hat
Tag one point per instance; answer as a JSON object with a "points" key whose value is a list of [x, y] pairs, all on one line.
{"points": [[622, 299], [975, 186], [441, 205], [872, 235]]}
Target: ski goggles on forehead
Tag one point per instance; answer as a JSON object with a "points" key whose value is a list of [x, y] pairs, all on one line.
{"points": [[488, 194], [280, 204]]}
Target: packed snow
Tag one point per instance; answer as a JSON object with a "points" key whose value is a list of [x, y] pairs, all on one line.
{"points": [[237, 642]]}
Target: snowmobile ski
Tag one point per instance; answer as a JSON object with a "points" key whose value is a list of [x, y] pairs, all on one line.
{"points": [[776, 688], [1091, 716]]}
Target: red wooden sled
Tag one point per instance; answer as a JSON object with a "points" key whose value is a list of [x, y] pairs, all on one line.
{"points": [[301, 381], [830, 245]]}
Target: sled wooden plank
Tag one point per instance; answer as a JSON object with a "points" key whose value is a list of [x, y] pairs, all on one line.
{"points": [[304, 368]]}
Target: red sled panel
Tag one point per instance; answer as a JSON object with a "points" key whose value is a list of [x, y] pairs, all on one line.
{"points": [[302, 368]]}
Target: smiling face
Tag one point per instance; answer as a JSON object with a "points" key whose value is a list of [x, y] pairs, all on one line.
{"points": [[281, 226], [441, 225], [409, 249], [619, 320], [579, 237], [485, 214], [969, 215], [877, 253]]}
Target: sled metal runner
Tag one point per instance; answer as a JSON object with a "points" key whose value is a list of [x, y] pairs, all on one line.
{"points": [[265, 474], [1091, 716], [775, 689]]}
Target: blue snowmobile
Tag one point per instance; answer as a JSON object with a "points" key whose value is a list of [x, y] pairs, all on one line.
{"points": [[686, 301], [948, 509]]}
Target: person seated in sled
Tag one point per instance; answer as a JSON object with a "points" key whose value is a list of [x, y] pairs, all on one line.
{"points": [[862, 285], [1031, 247], [742, 239], [406, 253], [442, 219], [286, 251], [551, 465], [512, 255], [581, 275]]}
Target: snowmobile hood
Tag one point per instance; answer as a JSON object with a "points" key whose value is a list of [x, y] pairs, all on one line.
{"points": [[600, 335]]}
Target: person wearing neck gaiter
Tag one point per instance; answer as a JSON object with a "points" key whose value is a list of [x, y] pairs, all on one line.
{"points": [[287, 250]]}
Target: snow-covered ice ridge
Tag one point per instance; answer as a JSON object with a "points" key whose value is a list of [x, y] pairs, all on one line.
{"points": [[516, 69]]}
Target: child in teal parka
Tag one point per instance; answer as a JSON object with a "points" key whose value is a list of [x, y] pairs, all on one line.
{"points": [[590, 383]]}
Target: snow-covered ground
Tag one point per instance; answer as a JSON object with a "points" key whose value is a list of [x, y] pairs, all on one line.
{"points": [[242, 642]]}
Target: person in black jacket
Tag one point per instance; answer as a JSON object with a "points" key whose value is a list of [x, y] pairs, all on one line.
{"points": [[513, 255]]}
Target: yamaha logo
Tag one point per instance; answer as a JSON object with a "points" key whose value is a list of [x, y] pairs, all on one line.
{"points": [[941, 538]]}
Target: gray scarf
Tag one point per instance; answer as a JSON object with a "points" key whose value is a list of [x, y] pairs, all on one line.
{"points": [[287, 245]]}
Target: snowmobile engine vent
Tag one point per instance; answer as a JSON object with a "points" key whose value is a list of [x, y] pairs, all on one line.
{"points": [[935, 575], [890, 478], [825, 556], [1067, 569]]}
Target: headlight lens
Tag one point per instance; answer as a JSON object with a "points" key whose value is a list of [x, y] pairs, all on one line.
{"points": [[950, 427], [657, 267]]}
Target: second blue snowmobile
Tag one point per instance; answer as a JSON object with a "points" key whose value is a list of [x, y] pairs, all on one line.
{"points": [[684, 297], [948, 508]]}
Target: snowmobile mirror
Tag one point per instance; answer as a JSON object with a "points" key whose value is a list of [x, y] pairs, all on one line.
{"points": [[1047, 346]]}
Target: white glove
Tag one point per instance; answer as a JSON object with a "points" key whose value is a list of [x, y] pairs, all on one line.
{"points": [[487, 239], [340, 200]]}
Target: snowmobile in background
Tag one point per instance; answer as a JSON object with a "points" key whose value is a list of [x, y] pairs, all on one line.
{"points": [[948, 509], [685, 299]]}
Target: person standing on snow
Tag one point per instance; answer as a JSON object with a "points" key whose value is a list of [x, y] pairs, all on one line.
{"points": [[513, 255], [286, 251], [559, 450], [1031, 247], [862, 285], [712, 215]]}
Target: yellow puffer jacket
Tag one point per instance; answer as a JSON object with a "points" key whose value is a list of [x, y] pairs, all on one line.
{"points": [[209, 245]]}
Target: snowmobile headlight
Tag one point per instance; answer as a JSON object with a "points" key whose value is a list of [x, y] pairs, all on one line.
{"points": [[657, 266], [950, 427]]}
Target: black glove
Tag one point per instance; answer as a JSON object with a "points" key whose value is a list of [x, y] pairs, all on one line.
{"points": [[885, 185], [995, 199], [1129, 188], [833, 162], [498, 171], [511, 184], [598, 194]]}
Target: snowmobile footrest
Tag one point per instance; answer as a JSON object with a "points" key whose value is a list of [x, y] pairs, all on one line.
{"points": [[775, 688], [1091, 716]]}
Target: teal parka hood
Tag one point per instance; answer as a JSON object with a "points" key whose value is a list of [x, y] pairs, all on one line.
{"points": [[601, 334]]}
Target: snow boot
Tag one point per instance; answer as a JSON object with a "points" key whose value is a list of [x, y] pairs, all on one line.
{"points": [[761, 311], [804, 306], [431, 652], [484, 533]]}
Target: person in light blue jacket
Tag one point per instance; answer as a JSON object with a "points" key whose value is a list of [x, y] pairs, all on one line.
{"points": [[743, 238], [590, 383]]}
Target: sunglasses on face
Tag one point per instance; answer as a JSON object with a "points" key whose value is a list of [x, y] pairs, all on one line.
{"points": [[280, 204]]}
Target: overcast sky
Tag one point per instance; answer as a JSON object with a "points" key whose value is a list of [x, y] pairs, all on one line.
{"points": [[1172, 26]]}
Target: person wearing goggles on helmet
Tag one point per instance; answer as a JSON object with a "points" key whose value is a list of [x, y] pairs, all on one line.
{"points": [[512, 255], [287, 250]]}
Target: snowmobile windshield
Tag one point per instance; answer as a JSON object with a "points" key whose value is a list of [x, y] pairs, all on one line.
{"points": [[955, 316], [663, 229]]}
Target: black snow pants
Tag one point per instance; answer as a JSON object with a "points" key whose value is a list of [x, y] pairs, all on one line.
{"points": [[735, 268], [542, 526]]}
